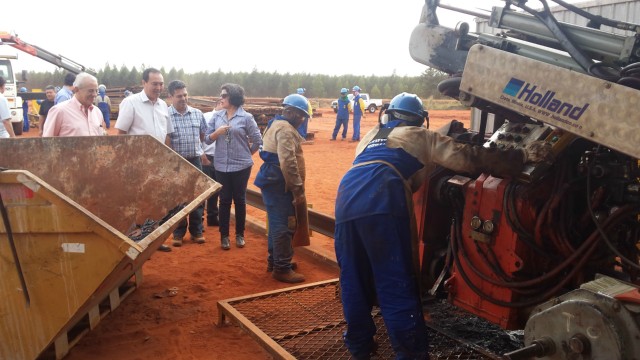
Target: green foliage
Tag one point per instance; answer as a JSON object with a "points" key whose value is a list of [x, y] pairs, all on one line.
{"points": [[262, 84]]}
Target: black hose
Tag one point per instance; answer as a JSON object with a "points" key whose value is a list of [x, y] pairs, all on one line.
{"points": [[511, 215], [599, 19], [599, 226]]}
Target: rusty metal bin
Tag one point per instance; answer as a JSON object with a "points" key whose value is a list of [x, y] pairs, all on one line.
{"points": [[69, 203]]}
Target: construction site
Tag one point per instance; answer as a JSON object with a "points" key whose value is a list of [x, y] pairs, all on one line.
{"points": [[540, 265]]}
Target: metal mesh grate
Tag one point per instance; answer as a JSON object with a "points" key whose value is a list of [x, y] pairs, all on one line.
{"points": [[307, 322]]}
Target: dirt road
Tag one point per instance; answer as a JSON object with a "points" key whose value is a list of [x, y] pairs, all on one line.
{"points": [[183, 327]]}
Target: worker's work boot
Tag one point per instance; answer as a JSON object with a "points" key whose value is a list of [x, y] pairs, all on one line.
{"points": [[240, 241], [177, 241], [164, 248], [290, 276], [294, 266], [225, 243], [198, 239]]}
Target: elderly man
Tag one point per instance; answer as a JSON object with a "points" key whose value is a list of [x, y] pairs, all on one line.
{"points": [[77, 116], [186, 140]]}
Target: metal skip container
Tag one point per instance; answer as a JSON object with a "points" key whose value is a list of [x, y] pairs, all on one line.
{"points": [[67, 204]]}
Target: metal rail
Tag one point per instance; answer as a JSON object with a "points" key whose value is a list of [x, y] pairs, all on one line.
{"points": [[319, 222]]}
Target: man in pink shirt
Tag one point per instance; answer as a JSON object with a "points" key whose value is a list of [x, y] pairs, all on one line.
{"points": [[78, 116]]}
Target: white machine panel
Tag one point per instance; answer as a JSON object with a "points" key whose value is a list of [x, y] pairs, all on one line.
{"points": [[599, 110]]}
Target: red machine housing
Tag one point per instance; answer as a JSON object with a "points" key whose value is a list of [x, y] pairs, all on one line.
{"points": [[488, 249]]}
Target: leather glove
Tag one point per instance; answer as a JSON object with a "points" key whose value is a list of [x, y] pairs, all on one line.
{"points": [[299, 199], [539, 151]]}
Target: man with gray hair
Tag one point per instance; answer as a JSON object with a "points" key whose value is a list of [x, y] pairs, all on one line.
{"points": [[77, 116]]}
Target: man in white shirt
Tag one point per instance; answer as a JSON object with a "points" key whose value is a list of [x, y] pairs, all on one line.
{"points": [[6, 131], [145, 113]]}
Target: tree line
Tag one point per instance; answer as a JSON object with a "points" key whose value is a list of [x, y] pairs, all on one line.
{"points": [[263, 84]]}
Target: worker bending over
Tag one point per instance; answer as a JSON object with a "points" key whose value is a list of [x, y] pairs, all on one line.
{"points": [[375, 225]]}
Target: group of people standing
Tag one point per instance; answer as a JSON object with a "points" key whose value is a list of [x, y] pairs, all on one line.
{"points": [[346, 106], [375, 233], [220, 143]]}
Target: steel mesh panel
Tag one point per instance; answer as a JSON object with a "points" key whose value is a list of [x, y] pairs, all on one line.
{"points": [[308, 323]]}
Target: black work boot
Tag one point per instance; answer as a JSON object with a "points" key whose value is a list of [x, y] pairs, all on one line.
{"points": [[225, 243]]}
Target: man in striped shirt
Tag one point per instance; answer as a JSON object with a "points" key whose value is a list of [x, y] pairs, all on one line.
{"points": [[189, 129]]}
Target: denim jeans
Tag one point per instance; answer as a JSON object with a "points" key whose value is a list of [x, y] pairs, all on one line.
{"points": [[195, 217], [234, 188], [281, 220], [212, 201], [356, 126], [345, 126], [379, 247]]}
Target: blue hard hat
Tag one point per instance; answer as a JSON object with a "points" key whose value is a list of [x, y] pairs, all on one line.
{"points": [[344, 91], [407, 104], [297, 101], [23, 89], [356, 88], [300, 91]]}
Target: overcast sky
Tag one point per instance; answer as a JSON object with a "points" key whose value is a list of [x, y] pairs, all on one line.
{"points": [[334, 37]]}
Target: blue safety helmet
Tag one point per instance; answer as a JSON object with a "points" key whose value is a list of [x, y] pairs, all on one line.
{"points": [[407, 107], [343, 91], [356, 88], [300, 91], [298, 102], [23, 89]]}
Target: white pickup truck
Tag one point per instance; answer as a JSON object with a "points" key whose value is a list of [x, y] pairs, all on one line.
{"points": [[371, 105]]}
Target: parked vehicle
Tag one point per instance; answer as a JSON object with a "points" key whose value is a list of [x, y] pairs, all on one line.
{"points": [[371, 105]]}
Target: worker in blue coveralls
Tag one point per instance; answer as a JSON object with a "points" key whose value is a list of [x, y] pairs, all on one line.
{"points": [[358, 113], [281, 180], [25, 111], [375, 226], [302, 130], [342, 116], [103, 103]]}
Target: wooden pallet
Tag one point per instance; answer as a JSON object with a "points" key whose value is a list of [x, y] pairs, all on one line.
{"points": [[72, 334]]}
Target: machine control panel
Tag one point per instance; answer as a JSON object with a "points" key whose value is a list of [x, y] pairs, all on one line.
{"points": [[518, 135]]}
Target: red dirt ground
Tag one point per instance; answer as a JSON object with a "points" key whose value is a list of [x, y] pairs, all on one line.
{"points": [[184, 326]]}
